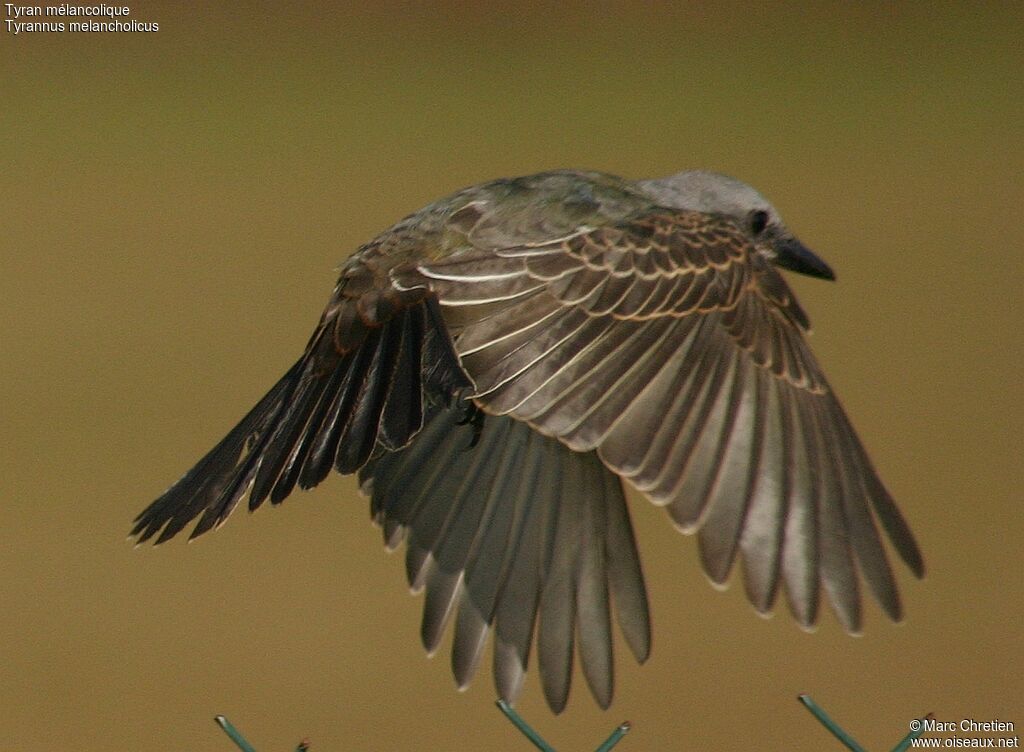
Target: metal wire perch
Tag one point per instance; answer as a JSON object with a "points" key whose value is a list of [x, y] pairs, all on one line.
{"points": [[538, 741], [848, 741]]}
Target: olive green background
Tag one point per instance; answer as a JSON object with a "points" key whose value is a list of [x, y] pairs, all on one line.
{"points": [[172, 208]]}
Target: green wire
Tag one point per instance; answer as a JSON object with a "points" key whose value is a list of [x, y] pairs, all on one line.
{"points": [[524, 727], [828, 723], [615, 738], [906, 740], [543, 746], [233, 733]]}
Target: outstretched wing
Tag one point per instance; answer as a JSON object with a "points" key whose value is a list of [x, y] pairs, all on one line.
{"points": [[508, 529], [358, 387], [668, 343], [505, 529]]}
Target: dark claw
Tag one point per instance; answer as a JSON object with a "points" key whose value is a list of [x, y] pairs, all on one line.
{"points": [[473, 416]]}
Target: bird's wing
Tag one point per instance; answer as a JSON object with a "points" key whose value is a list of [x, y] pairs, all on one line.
{"points": [[359, 386], [670, 345], [507, 529], [504, 529]]}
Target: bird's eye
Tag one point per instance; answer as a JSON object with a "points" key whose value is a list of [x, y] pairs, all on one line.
{"points": [[758, 221]]}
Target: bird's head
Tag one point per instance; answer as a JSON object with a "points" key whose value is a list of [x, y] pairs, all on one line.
{"points": [[713, 193]]}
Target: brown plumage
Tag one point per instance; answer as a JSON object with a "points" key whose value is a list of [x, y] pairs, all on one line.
{"points": [[495, 365]]}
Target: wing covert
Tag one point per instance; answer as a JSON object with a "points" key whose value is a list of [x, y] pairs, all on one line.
{"points": [[669, 343]]}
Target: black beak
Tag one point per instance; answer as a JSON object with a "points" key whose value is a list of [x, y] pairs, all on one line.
{"points": [[791, 254]]}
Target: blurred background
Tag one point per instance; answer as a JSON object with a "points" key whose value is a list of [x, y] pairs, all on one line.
{"points": [[173, 207]]}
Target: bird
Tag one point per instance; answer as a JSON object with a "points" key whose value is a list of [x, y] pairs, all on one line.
{"points": [[498, 367]]}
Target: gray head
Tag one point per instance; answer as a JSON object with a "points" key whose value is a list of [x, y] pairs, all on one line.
{"points": [[710, 192]]}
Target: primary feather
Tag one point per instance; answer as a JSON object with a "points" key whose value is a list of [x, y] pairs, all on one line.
{"points": [[497, 364]]}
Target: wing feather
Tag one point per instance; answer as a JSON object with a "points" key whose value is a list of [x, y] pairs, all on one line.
{"points": [[767, 506], [493, 372], [333, 407], [800, 552], [731, 490], [512, 531], [669, 343]]}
